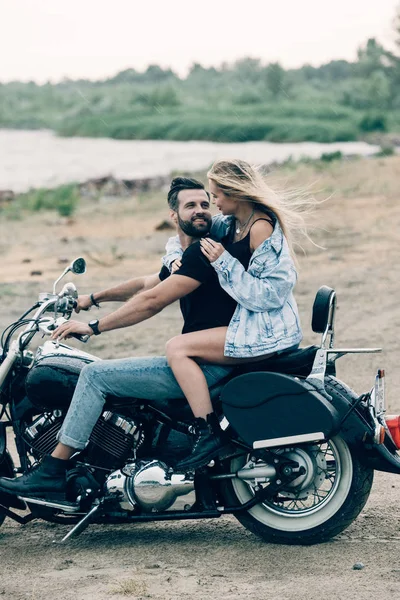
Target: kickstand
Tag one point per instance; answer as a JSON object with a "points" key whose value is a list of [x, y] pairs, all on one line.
{"points": [[83, 523]]}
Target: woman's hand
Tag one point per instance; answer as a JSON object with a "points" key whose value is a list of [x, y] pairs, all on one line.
{"points": [[175, 265], [63, 332], [211, 249]]}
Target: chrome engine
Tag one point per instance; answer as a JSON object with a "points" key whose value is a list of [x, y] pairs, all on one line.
{"points": [[42, 434], [114, 438], [151, 486], [148, 485]]}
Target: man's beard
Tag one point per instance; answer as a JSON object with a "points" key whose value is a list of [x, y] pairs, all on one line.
{"points": [[195, 228]]}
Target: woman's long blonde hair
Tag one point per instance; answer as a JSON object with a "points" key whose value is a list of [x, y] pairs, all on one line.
{"points": [[242, 181]]}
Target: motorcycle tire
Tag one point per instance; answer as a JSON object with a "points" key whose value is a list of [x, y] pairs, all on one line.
{"points": [[275, 522], [7, 470]]}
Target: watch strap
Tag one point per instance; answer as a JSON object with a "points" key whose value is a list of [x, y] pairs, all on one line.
{"points": [[93, 301], [94, 325]]}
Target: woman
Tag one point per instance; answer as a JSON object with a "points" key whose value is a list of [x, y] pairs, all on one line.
{"points": [[255, 266]]}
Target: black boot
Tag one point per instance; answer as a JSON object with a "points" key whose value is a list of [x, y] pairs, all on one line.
{"points": [[207, 444], [47, 480]]}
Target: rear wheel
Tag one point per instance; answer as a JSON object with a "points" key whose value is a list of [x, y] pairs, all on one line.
{"points": [[317, 505]]}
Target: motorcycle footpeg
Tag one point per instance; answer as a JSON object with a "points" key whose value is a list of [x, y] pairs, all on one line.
{"points": [[56, 501]]}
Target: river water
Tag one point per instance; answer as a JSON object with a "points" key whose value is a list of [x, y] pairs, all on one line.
{"points": [[31, 159]]}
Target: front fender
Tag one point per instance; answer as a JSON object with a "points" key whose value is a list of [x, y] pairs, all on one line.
{"points": [[6, 465]]}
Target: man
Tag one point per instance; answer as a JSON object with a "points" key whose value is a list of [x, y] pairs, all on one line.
{"points": [[204, 304]]}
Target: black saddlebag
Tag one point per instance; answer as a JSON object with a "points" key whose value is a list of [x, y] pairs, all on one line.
{"points": [[271, 409]]}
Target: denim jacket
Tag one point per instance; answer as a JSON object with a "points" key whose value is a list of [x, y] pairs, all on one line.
{"points": [[266, 318]]}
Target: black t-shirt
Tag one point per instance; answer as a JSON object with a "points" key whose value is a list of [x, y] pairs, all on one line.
{"points": [[209, 305]]}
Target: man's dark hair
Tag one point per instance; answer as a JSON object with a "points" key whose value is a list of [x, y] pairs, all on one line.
{"points": [[182, 183]]}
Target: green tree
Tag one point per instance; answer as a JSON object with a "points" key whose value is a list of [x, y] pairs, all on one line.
{"points": [[155, 74], [202, 77], [275, 78], [336, 70], [371, 58], [126, 76], [247, 70], [378, 90], [395, 57]]}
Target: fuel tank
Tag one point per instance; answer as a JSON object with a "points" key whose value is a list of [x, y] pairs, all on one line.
{"points": [[52, 379]]}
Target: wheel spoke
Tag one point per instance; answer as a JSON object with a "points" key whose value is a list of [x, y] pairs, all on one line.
{"points": [[322, 461]]}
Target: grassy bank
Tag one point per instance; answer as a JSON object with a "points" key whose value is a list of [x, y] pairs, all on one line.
{"points": [[230, 125], [243, 101]]}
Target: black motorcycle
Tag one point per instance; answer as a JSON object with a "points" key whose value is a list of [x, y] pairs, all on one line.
{"points": [[298, 468]]}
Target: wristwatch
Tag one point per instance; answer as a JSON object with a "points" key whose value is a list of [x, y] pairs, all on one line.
{"points": [[95, 326]]}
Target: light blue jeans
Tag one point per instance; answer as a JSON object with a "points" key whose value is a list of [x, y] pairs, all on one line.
{"points": [[145, 378]]}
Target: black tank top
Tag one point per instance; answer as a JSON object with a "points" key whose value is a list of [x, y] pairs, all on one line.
{"points": [[241, 249]]}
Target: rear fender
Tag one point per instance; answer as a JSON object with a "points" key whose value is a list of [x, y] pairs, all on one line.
{"points": [[354, 427], [359, 434], [380, 458]]}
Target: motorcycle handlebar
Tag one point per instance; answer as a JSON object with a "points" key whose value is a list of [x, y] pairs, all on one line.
{"points": [[51, 325], [66, 304], [81, 338]]}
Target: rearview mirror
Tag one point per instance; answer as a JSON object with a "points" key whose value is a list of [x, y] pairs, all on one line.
{"points": [[77, 266]]}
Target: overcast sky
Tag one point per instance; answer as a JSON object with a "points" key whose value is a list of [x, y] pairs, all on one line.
{"points": [[51, 39]]}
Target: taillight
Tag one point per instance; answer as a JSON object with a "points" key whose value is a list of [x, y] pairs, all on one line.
{"points": [[393, 423]]}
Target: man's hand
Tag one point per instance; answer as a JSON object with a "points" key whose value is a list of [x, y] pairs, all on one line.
{"points": [[83, 303], [64, 331], [211, 249]]}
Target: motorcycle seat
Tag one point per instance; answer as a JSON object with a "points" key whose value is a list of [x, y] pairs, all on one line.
{"points": [[297, 362]]}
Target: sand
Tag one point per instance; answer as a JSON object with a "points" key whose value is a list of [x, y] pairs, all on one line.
{"points": [[219, 558]]}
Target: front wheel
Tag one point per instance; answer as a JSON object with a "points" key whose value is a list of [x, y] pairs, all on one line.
{"points": [[7, 470], [317, 505]]}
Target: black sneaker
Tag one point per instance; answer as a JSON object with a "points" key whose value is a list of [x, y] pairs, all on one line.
{"points": [[47, 479]]}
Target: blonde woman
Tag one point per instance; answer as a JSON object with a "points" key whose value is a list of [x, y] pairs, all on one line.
{"points": [[255, 266]]}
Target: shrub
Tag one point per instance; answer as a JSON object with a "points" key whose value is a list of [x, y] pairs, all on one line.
{"points": [[64, 199], [331, 156], [373, 122], [386, 151]]}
